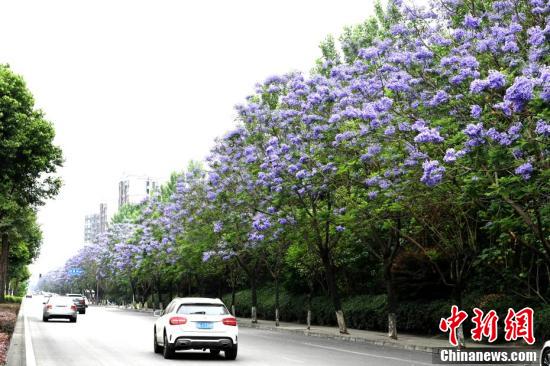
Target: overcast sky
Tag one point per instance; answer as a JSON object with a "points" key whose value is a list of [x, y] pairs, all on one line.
{"points": [[142, 87]]}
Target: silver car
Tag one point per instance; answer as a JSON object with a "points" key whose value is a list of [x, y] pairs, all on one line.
{"points": [[59, 307]]}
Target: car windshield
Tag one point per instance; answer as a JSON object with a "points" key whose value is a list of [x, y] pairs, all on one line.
{"points": [[202, 309], [61, 300]]}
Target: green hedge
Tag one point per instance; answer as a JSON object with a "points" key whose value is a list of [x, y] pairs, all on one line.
{"points": [[369, 311], [13, 299]]}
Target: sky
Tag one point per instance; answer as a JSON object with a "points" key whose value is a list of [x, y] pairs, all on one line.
{"points": [[143, 87]]}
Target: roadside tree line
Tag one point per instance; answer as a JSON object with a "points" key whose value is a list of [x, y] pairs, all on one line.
{"points": [[28, 163], [412, 161]]}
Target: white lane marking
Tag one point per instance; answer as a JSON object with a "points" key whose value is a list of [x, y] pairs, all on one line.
{"points": [[369, 354], [292, 359], [29, 351]]}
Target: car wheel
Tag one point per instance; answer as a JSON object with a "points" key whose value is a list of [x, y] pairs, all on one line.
{"points": [[168, 350], [44, 318], [156, 347], [73, 319], [214, 352], [545, 358], [231, 353]]}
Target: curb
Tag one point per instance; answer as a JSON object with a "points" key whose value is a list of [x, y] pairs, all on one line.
{"points": [[126, 309], [345, 338], [17, 351]]}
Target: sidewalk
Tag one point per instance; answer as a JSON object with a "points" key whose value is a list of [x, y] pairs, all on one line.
{"points": [[404, 341]]}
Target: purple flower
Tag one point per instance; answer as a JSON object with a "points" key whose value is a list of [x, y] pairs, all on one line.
{"points": [[520, 93], [390, 130], [475, 111], [301, 174], [372, 181], [427, 135], [525, 170], [496, 79], [207, 255], [536, 36], [543, 128], [451, 155], [368, 53], [340, 228], [433, 173], [372, 194], [474, 130], [261, 222], [517, 153], [211, 196], [218, 226], [477, 86], [471, 22], [440, 97]]}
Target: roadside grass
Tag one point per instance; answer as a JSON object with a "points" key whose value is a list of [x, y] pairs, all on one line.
{"points": [[8, 316]]}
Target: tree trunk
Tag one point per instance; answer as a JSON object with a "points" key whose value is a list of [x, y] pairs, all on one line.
{"points": [[457, 295], [4, 266], [333, 290], [254, 315], [392, 301], [233, 298], [309, 296], [277, 301]]}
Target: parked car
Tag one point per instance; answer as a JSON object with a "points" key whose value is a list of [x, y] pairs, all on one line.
{"points": [[59, 307], [545, 354], [196, 323], [28, 296], [79, 301]]}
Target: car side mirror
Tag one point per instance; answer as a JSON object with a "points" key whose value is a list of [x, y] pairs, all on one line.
{"points": [[157, 313]]}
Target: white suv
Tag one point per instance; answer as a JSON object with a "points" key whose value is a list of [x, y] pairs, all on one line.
{"points": [[545, 354], [196, 323]]}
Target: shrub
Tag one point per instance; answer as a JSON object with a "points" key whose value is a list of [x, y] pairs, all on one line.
{"points": [[542, 324], [13, 299]]}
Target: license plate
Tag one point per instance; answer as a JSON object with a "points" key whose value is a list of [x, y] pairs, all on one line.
{"points": [[205, 325]]}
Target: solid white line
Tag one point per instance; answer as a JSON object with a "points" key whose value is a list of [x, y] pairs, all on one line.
{"points": [[370, 355], [29, 351]]}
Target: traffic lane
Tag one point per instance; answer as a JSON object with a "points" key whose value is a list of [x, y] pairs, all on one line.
{"points": [[107, 336], [99, 337]]}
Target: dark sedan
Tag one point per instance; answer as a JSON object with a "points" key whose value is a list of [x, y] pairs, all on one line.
{"points": [[79, 301]]}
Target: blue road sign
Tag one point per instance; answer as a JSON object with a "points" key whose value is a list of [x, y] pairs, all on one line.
{"points": [[75, 271]]}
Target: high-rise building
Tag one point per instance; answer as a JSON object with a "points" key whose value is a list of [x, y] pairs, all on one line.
{"points": [[133, 189], [102, 217], [91, 227], [95, 224]]}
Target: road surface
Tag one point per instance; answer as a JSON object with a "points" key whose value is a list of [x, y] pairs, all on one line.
{"points": [[111, 337]]}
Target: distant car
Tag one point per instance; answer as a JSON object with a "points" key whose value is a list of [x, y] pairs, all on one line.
{"points": [[59, 307], [196, 323], [79, 301], [28, 296], [545, 354]]}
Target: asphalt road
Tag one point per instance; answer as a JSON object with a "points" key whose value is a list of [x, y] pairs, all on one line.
{"points": [[110, 337]]}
